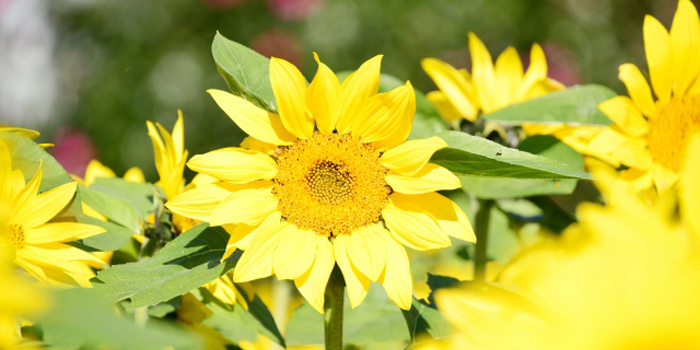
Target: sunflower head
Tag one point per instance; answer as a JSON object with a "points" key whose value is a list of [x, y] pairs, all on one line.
{"points": [[329, 180]]}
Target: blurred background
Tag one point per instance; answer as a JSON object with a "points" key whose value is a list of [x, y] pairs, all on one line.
{"points": [[88, 74]]}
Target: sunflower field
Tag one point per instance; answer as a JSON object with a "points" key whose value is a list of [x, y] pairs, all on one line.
{"points": [[333, 174]]}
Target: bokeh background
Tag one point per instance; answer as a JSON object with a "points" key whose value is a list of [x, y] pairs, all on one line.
{"points": [[88, 74]]}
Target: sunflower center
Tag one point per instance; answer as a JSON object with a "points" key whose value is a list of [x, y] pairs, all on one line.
{"points": [[331, 184], [14, 233], [669, 130]]}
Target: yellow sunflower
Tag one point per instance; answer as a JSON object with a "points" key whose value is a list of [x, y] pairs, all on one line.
{"points": [[596, 288], [29, 133], [649, 136], [39, 244], [339, 186]]}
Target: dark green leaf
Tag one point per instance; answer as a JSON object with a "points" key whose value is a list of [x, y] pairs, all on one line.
{"points": [[138, 195], [425, 319], [187, 262], [112, 208], [577, 105], [115, 238], [246, 72], [471, 155]]}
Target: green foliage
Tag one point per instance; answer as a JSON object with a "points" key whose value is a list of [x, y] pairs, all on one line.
{"points": [[27, 156], [138, 195], [471, 155], [186, 263], [577, 105], [246, 72]]}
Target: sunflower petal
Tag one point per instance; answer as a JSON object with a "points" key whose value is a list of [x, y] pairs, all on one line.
{"points": [[430, 178], [258, 123], [413, 228], [45, 206], [366, 250], [482, 71], [638, 88], [657, 46], [355, 281], [509, 76], [447, 110], [386, 115], [323, 98], [449, 216], [61, 232], [685, 43], [690, 184], [356, 89], [294, 254], [256, 261], [455, 87], [411, 156], [199, 203], [235, 165], [289, 87], [396, 279], [25, 197], [624, 113], [248, 206], [536, 72], [312, 284]]}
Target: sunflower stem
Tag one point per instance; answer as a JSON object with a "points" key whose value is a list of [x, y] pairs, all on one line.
{"points": [[333, 309], [482, 239]]}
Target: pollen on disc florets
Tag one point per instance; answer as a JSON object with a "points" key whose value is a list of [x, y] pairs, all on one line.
{"points": [[331, 184], [14, 233], [669, 130]]}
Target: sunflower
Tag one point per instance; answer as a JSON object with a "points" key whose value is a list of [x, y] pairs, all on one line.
{"points": [[39, 245], [327, 180], [585, 292], [649, 136]]}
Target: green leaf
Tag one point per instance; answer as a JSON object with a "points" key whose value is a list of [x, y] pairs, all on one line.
{"points": [[138, 195], [471, 155], [111, 207], [246, 72], [27, 155], [186, 263], [81, 319], [577, 105], [543, 145], [235, 322], [116, 236]]}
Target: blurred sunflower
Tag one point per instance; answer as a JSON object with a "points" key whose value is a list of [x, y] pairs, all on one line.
{"points": [[38, 244], [584, 292], [328, 179], [649, 136]]}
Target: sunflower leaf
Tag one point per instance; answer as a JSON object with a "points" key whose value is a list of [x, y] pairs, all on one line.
{"points": [[471, 155], [186, 263], [245, 71], [577, 105]]}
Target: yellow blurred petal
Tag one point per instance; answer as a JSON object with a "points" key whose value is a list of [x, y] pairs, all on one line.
{"points": [[413, 228], [134, 175], [411, 156], [32, 134], [323, 98], [455, 87], [256, 122], [312, 284], [483, 74], [690, 185], [46, 205], [256, 261], [96, 169], [61, 232], [254, 144], [624, 113], [396, 279], [248, 206], [431, 178], [89, 211], [200, 202], [685, 43], [386, 115], [179, 134], [657, 46], [509, 75], [449, 216], [356, 89], [289, 87], [356, 283], [638, 88], [235, 165], [5, 172], [634, 153], [536, 72], [367, 251], [294, 254], [25, 196], [663, 178], [447, 110]]}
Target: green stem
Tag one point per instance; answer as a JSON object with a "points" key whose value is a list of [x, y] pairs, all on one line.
{"points": [[482, 239], [333, 307]]}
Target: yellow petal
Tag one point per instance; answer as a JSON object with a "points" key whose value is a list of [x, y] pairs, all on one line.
{"points": [[323, 98], [624, 113], [664, 179], [200, 202], [509, 75], [24, 198], [638, 88], [431, 178], [256, 122], [96, 169], [384, 114], [356, 89], [411, 156], [447, 110], [312, 284], [483, 75], [366, 250], [396, 279], [256, 261], [657, 46], [5, 172], [235, 165], [455, 87], [690, 185], [294, 254], [536, 72], [178, 135], [685, 43], [414, 228], [45, 206], [634, 153], [247, 206], [356, 283], [61, 232], [289, 88], [448, 215], [134, 174], [241, 235], [403, 126]]}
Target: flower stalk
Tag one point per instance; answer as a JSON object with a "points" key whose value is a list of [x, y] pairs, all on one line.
{"points": [[333, 310], [482, 239]]}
